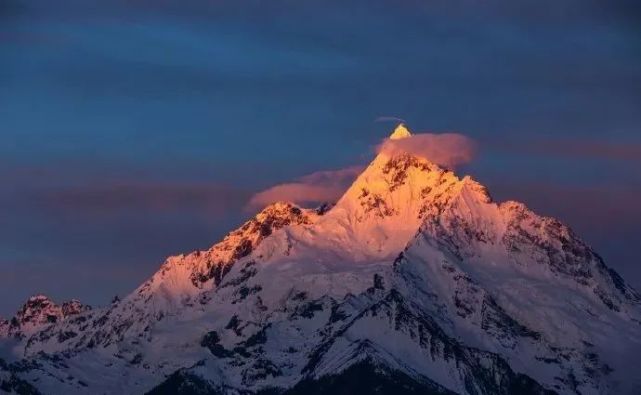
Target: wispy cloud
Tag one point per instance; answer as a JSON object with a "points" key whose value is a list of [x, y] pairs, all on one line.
{"points": [[591, 149], [447, 149], [571, 148], [166, 197], [318, 187], [389, 119]]}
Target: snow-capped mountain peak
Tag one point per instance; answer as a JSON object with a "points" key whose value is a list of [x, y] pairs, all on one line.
{"points": [[385, 206], [400, 132], [414, 279], [39, 312], [187, 275]]}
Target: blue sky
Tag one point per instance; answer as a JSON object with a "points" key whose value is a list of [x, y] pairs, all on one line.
{"points": [[130, 131]]}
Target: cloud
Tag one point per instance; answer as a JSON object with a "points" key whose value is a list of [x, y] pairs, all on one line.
{"points": [[389, 119], [447, 149], [79, 188], [158, 197], [318, 187], [587, 149], [620, 151]]}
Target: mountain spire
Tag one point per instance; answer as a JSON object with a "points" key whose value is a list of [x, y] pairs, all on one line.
{"points": [[400, 132]]}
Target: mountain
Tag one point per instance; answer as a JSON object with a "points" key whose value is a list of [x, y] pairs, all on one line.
{"points": [[414, 282], [38, 313]]}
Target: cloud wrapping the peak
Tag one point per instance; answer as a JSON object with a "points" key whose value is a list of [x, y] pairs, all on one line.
{"points": [[314, 188], [446, 149]]}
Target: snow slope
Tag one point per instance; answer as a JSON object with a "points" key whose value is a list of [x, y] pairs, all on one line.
{"points": [[415, 280]]}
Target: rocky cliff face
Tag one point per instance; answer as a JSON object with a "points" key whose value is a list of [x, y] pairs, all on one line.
{"points": [[415, 281], [38, 313]]}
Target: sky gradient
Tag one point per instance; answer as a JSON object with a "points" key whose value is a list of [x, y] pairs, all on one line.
{"points": [[130, 131]]}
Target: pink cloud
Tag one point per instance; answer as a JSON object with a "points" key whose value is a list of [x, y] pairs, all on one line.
{"points": [[315, 188], [594, 149], [109, 199], [575, 148], [447, 149]]}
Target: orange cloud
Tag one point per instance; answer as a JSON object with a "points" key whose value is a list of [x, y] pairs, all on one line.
{"points": [[571, 148], [318, 187], [447, 149]]}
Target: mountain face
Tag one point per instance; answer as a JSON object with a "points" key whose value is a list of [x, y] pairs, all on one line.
{"points": [[414, 282], [38, 313]]}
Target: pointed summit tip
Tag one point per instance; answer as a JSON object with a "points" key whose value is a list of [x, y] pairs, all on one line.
{"points": [[400, 132]]}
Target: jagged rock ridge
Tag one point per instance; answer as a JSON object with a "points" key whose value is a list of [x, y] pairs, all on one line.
{"points": [[38, 313]]}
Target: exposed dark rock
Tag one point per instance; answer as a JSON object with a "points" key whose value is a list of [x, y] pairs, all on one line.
{"points": [[184, 383]]}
